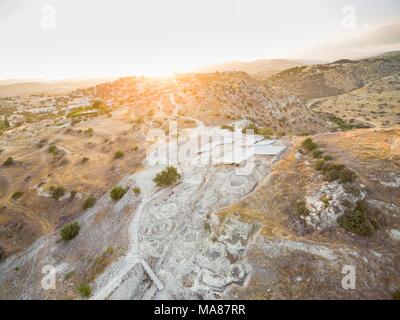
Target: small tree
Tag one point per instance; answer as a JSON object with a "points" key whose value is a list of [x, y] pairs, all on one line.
{"points": [[309, 144], [301, 208], [136, 190], [70, 231], [85, 291], [9, 161], [16, 195], [53, 150], [89, 203], [167, 177], [117, 193], [57, 192], [119, 154]]}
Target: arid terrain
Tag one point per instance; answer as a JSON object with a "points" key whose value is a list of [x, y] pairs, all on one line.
{"points": [[321, 193]]}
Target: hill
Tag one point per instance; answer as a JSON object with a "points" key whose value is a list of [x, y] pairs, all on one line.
{"points": [[324, 80], [11, 88], [260, 69]]}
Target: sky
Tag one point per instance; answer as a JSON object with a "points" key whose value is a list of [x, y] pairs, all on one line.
{"points": [[59, 39]]}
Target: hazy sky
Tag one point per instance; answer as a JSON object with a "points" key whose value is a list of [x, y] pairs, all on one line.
{"points": [[92, 38]]}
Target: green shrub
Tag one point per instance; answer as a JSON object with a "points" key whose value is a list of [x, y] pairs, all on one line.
{"points": [[266, 132], [136, 190], [396, 295], [16, 195], [332, 175], [309, 144], [333, 172], [320, 164], [89, 203], [328, 158], [57, 192], [119, 154], [325, 200], [317, 153], [340, 123], [53, 150], [167, 177], [117, 192], [70, 231], [85, 290], [347, 176], [249, 128], [357, 221], [207, 227], [89, 132], [72, 194], [9, 161], [227, 127], [301, 209]]}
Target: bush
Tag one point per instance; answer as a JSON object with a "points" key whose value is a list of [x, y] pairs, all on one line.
{"points": [[136, 190], [89, 132], [16, 195], [117, 193], [119, 154], [347, 176], [301, 208], [317, 153], [84, 160], [53, 150], [57, 192], [167, 177], [333, 172], [320, 164], [9, 161], [266, 132], [340, 123], [357, 221], [309, 144], [85, 290], [70, 231], [249, 128], [396, 295], [89, 203], [328, 158], [227, 127]]}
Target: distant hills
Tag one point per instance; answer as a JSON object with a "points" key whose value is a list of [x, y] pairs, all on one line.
{"points": [[11, 87], [260, 69], [324, 80]]}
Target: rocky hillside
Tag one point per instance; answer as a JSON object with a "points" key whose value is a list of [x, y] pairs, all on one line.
{"points": [[216, 99], [237, 95], [318, 81], [377, 104], [321, 211]]}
